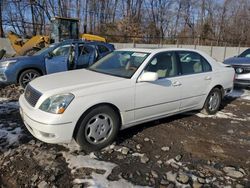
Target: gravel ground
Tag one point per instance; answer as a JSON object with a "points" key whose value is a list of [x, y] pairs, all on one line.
{"points": [[187, 150]]}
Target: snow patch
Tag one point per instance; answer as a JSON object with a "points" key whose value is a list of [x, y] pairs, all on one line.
{"points": [[10, 132], [242, 94], [100, 181], [7, 107], [3, 99], [9, 137], [72, 146], [90, 161], [220, 114]]}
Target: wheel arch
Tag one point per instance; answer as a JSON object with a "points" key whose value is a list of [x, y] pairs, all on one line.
{"points": [[114, 107], [28, 68], [220, 87]]}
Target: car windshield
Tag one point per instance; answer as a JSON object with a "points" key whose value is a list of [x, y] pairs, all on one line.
{"points": [[44, 50], [120, 63], [246, 53]]}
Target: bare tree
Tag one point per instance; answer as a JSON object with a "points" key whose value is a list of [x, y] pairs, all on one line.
{"points": [[222, 21], [135, 20], [33, 18], [85, 16], [1, 20]]}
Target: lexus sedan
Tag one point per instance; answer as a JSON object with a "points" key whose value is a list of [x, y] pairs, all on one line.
{"points": [[241, 64], [123, 89], [63, 56]]}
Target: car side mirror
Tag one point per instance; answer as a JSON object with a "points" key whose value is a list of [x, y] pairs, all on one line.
{"points": [[49, 55], [148, 77]]}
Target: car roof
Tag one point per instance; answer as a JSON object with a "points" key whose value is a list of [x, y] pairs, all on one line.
{"points": [[157, 50], [82, 41]]}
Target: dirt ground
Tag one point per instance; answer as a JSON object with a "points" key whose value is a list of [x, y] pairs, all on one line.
{"points": [[187, 150]]}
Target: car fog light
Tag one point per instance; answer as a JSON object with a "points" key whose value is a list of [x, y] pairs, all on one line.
{"points": [[239, 70], [47, 135]]}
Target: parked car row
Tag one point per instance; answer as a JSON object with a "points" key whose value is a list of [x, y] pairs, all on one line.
{"points": [[241, 65], [125, 88], [67, 55], [113, 90]]}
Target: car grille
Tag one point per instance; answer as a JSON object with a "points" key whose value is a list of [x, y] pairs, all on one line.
{"points": [[243, 81], [32, 95], [246, 69]]}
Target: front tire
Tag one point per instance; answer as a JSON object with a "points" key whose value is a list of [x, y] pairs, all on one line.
{"points": [[27, 76], [213, 102], [98, 128]]}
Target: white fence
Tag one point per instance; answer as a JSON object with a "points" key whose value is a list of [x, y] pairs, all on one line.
{"points": [[217, 52]]}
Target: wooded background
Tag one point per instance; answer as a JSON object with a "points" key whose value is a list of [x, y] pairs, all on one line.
{"points": [[202, 22]]}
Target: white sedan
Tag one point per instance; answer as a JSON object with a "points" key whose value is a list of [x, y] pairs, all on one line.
{"points": [[123, 89]]}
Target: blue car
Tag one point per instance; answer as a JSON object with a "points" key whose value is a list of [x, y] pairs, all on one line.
{"points": [[64, 56], [241, 65]]}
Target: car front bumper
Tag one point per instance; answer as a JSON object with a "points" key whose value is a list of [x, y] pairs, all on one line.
{"points": [[7, 77], [242, 79], [53, 132]]}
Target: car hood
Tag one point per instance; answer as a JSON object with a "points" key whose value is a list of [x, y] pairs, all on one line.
{"points": [[73, 82], [21, 58], [238, 61]]}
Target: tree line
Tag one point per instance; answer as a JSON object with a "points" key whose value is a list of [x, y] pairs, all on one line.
{"points": [[149, 21]]}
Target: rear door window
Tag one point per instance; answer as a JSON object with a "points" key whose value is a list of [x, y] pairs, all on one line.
{"points": [[192, 63], [86, 56]]}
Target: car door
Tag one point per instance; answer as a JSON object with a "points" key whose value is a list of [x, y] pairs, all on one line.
{"points": [[196, 78], [161, 97], [59, 59], [86, 55]]}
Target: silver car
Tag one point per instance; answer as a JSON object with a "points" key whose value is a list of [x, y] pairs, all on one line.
{"points": [[241, 65]]}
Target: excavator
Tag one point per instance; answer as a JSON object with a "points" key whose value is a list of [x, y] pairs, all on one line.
{"points": [[61, 29]]}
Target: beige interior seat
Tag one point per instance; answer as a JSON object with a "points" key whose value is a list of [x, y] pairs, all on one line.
{"points": [[164, 66], [197, 67]]}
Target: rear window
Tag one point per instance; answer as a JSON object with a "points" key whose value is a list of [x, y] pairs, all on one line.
{"points": [[102, 48]]}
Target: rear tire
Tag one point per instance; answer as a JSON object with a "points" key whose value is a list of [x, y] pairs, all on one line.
{"points": [[213, 102], [98, 128], [27, 76]]}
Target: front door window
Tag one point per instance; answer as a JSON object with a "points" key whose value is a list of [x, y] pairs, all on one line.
{"points": [[62, 50], [164, 64]]}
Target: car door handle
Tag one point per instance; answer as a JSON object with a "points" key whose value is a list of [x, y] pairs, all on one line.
{"points": [[176, 83], [208, 78]]}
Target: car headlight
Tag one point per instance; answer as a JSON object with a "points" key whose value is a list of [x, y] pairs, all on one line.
{"points": [[239, 70], [7, 63], [57, 104]]}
